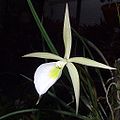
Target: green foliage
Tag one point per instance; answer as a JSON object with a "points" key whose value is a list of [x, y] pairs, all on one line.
{"points": [[18, 112], [41, 28]]}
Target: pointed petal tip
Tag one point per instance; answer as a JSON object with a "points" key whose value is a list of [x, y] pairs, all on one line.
{"points": [[27, 55], [76, 112], [112, 68], [24, 56], [108, 67], [66, 4]]}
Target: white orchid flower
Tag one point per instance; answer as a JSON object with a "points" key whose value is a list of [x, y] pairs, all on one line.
{"points": [[48, 73]]}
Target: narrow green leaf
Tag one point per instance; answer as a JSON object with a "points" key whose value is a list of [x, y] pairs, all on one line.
{"points": [[45, 55], [75, 81], [89, 62], [84, 41], [67, 34], [61, 102], [41, 28], [86, 102], [103, 109], [17, 112], [71, 114]]}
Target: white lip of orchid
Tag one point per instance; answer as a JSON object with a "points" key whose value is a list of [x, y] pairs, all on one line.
{"points": [[46, 75]]}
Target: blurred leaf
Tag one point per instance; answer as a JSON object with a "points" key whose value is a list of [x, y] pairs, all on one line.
{"points": [[86, 102], [75, 81], [64, 104], [18, 112], [84, 41], [102, 109], [41, 28], [81, 117]]}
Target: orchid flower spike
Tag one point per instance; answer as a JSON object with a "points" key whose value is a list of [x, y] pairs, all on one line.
{"points": [[48, 73]]}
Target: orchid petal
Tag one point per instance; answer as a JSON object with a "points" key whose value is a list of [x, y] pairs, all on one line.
{"points": [[89, 62], [46, 75], [45, 55], [75, 81], [67, 34]]}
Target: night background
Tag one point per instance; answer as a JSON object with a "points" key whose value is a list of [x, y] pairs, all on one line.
{"points": [[19, 35]]}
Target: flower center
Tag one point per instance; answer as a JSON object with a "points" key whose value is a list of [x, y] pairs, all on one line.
{"points": [[54, 72], [60, 64]]}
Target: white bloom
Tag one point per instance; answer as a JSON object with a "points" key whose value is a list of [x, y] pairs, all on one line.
{"points": [[48, 73]]}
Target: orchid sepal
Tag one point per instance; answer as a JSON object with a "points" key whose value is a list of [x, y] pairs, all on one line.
{"points": [[75, 81], [45, 55], [89, 62], [67, 37]]}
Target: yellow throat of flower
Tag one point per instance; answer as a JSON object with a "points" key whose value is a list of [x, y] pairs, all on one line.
{"points": [[55, 71]]}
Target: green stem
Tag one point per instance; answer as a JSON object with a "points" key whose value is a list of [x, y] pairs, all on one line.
{"points": [[17, 112], [41, 28], [107, 99]]}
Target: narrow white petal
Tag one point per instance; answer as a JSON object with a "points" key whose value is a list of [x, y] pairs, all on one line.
{"points": [[75, 81], [45, 76], [45, 55], [89, 62], [67, 34]]}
